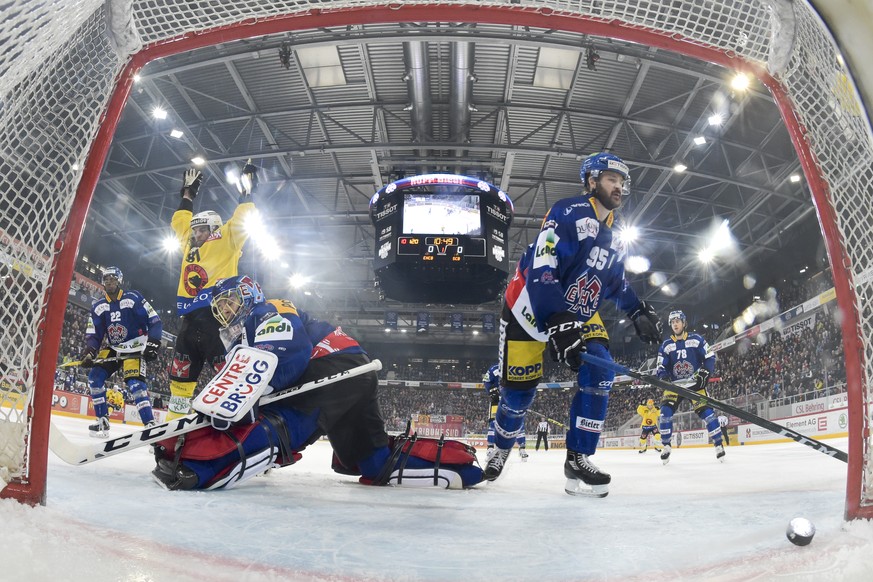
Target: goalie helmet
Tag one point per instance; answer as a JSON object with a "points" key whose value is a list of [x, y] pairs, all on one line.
{"points": [[113, 272], [234, 298], [594, 164], [676, 315], [208, 218]]}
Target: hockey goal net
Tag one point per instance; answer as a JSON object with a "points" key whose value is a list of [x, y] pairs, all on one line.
{"points": [[67, 66]]}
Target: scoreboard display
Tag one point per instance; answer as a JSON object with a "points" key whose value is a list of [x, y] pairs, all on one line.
{"points": [[441, 238]]}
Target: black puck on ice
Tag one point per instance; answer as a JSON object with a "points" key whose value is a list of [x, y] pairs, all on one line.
{"points": [[800, 531]]}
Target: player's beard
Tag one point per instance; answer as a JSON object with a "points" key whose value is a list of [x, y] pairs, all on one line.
{"points": [[608, 201]]}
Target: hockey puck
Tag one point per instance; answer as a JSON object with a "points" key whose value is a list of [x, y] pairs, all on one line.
{"points": [[800, 531]]}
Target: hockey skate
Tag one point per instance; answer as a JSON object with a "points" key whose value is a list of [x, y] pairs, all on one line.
{"points": [[100, 429], [583, 477], [719, 453], [523, 454], [641, 451], [495, 462], [665, 454]]}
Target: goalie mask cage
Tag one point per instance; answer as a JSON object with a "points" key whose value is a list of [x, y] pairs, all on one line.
{"points": [[67, 67]]}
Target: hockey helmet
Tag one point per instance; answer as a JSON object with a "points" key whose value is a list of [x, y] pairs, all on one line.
{"points": [[208, 218], [677, 314], [594, 164], [234, 298], [650, 402], [113, 272]]}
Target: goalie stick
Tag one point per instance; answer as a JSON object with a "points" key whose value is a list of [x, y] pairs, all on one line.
{"points": [[738, 412], [81, 454]]}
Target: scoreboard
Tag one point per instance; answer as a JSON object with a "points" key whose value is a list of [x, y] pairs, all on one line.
{"points": [[441, 238]]}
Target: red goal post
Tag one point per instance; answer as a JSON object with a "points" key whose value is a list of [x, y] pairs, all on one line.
{"points": [[65, 75]]}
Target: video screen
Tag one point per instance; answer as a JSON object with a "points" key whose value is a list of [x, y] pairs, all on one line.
{"points": [[441, 214]]}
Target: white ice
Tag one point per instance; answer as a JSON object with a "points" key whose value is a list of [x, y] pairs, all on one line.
{"points": [[693, 519]]}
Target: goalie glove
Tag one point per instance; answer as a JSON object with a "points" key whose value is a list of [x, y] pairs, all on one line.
{"points": [[701, 377], [191, 181], [566, 341], [150, 353], [248, 179], [646, 323]]}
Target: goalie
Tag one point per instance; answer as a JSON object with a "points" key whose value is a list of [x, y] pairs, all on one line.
{"points": [[346, 411]]}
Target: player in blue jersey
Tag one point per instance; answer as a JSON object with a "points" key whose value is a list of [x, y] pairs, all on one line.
{"points": [[491, 381], [686, 356], [347, 411], [132, 330], [553, 298]]}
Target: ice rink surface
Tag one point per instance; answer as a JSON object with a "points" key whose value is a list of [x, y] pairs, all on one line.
{"points": [[693, 519]]}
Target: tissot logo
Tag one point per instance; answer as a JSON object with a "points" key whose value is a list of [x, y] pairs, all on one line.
{"points": [[496, 214], [388, 211]]}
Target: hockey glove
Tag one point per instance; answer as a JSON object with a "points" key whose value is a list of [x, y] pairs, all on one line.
{"points": [[191, 181], [566, 341], [248, 179], [701, 377], [88, 358], [150, 353], [646, 323]]}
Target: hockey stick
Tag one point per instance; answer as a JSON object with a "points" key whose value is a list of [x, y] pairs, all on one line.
{"points": [[738, 412], [96, 362], [552, 420], [80, 454]]}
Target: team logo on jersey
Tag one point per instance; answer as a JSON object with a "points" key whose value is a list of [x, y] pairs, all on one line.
{"points": [[545, 254], [682, 369], [116, 333], [195, 279], [584, 295], [181, 367], [587, 228]]}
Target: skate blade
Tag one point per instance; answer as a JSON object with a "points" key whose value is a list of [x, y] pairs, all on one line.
{"points": [[665, 461], [577, 488], [98, 435]]}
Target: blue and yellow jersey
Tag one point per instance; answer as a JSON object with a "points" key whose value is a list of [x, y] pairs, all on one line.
{"points": [[125, 320], [680, 356]]}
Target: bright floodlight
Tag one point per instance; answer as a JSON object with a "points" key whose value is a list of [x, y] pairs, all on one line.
{"points": [[706, 255], [297, 280], [159, 113], [715, 119], [176, 133], [680, 167], [261, 237], [795, 178], [699, 140], [637, 264], [740, 82], [628, 234], [170, 244], [198, 161], [722, 237]]}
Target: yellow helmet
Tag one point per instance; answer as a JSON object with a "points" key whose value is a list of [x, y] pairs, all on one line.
{"points": [[650, 402], [115, 399]]}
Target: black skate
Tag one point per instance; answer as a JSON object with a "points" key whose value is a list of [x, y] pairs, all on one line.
{"points": [[100, 429], [495, 462], [719, 453], [583, 476], [665, 456], [641, 451]]}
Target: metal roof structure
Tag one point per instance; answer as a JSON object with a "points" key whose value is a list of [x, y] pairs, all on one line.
{"points": [[331, 115]]}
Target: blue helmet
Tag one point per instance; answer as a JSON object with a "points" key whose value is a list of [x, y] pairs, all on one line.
{"points": [[234, 298], [596, 163], [113, 272], [677, 314]]}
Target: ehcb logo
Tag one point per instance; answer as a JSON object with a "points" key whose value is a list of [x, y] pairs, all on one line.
{"points": [[498, 253], [584, 295], [384, 249]]}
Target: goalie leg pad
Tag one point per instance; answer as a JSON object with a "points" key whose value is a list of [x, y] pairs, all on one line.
{"points": [[414, 462]]}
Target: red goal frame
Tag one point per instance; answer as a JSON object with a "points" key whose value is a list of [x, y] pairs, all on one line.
{"points": [[33, 490]]}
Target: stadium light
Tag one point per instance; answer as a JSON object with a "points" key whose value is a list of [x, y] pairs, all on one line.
{"points": [[171, 244], [700, 140], [297, 280], [706, 256], [794, 178], [198, 161], [628, 234], [715, 119], [159, 113], [176, 133], [637, 264], [740, 82]]}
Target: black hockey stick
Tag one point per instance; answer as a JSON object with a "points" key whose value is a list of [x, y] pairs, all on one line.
{"points": [[80, 454], [738, 412]]}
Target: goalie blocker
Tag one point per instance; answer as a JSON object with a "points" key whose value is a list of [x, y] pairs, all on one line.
{"points": [[346, 412]]}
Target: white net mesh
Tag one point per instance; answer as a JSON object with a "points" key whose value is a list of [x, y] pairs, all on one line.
{"points": [[58, 67]]}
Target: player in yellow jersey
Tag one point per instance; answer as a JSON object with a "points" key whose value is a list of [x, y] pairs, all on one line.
{"points": [[210, 252], [649, 426]]}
